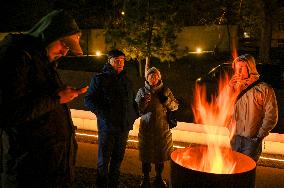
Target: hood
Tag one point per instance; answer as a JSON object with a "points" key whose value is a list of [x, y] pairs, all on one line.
{"points": [[54, 26], [250, 62], [253, 74], [153, 70]]}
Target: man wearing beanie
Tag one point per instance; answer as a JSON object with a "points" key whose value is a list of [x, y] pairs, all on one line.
{"points": [[38, 137], [111, 98]]}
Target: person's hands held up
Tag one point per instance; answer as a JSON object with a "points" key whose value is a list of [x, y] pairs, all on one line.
{"points": [[147, 97], [69, 93], [235, 80]]}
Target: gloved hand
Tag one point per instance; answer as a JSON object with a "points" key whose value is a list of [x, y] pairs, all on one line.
{"points": [[162, 97], [147, 97]]}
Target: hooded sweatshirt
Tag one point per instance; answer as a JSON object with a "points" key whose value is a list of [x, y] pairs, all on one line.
{"points": [[256, 112], [40, 131]]}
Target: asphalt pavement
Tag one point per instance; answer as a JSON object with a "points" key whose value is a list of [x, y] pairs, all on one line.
{"points": [[266, 176]]}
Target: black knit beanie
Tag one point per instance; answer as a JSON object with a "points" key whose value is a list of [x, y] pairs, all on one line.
{"points": [[55, 25]]}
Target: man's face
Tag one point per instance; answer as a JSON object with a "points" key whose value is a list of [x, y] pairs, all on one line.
{"points": [[60, 47], [56, 50], [241, 69], [117, 63]]}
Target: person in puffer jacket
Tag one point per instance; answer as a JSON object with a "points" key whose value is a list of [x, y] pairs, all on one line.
{"points": [[155, 137], [255, 113], [112, 99], [39, 146]]}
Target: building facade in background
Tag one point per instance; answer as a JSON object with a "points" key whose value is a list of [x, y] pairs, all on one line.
{"points": [[221, 38]]}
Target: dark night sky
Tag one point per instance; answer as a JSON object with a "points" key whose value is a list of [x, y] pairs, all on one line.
{"points": [[21, 15]]}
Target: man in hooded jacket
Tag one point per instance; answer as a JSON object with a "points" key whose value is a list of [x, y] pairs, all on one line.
{"points": [[39, 146], [255, 112]]}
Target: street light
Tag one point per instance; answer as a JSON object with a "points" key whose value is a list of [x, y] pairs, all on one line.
{"points": [[198, 50], [98, 53]]}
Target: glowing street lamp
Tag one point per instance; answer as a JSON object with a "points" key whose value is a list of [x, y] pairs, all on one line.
{"points": [[198, 50], [98, 53], [246, 35]]}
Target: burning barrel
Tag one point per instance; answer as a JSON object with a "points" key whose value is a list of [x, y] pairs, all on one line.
{"points": [[189, 169]]}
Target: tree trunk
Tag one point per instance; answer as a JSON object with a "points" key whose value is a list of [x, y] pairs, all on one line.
{"points": [[147, 64], [148, 44], [140, 68], [266, 30], [229, 37], [265, 43]]}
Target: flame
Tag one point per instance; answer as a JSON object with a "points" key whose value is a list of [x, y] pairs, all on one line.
{"points": [[234, 52], [215, 158], [193, 158], [196, 158]]}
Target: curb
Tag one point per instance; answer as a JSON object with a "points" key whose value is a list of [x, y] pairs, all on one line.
{"points": [[266, 160]]}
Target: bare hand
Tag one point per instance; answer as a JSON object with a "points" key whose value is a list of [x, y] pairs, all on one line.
{"points": [[235, 80], [147, 97], [82, 90], [69, 93]]}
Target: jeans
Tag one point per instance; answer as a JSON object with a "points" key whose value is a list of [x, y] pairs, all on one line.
{"points": [[111, 151], [248, 146]]}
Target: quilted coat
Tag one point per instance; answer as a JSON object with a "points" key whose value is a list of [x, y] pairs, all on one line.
{"points": [[155, 137]]}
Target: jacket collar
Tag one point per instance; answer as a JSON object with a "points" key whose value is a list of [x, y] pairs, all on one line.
{"points": [[153, 89], [108, 69]]}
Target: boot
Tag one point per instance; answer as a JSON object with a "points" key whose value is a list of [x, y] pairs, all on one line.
{"points": [[159, 182], [145, 183], [101, 180], [146, 168]]}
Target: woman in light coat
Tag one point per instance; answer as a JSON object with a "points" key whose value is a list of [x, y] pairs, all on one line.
{"points": [[155, 137]]}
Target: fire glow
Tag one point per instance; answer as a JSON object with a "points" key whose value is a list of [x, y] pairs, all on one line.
{"points": [[214, 158]]}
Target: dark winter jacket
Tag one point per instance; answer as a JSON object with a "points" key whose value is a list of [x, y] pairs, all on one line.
{"points": [[39, 146], [155, 137], [111, 98]]}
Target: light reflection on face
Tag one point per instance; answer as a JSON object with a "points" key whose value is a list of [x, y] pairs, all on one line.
{"points": [[117, 63], [242, 70], [56, 50], [153, 79]]}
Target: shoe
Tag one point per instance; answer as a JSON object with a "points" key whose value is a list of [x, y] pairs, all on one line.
{"points": [[145, 183], [159, 182], [113, 185], [101, 181]]}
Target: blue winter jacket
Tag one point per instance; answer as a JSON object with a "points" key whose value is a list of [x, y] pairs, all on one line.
{"points": [[112, 99]]}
